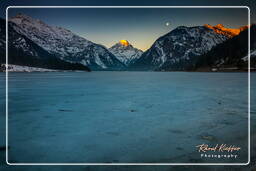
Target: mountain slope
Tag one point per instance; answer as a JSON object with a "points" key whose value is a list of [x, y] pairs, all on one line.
{"points": [[65, 44], [176, 50], [232, 53], [23, 51], [125, 52]]}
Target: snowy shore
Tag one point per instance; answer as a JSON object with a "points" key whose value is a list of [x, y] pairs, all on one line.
{"points": [[19, 68]]}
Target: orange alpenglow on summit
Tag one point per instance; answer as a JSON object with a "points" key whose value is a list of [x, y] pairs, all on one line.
{"points": [[230, 32], [124, 42]]}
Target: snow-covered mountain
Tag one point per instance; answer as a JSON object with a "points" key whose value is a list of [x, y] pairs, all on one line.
{"points": [[65, 44], [125, 52], [176, 50], [24, 52]]}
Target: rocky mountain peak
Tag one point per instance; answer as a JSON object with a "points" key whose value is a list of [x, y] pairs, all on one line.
{"points": [[125, 52]]}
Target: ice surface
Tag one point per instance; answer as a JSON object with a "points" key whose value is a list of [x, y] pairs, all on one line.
{"points": [[124, 116]]}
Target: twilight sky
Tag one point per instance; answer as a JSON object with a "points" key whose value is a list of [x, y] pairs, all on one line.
{"points": [[141, 27]]}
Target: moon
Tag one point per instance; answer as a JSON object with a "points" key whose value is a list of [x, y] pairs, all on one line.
{"points": [[167, 24]]}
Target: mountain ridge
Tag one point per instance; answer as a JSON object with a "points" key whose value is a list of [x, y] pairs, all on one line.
{"points": [[23, 51], [65, 44], [230, 32]]}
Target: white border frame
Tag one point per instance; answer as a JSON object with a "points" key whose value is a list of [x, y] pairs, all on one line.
{"points": [[153, 164]]}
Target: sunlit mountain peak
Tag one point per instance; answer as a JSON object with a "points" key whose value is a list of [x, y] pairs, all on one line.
{"points": [[124, 42], [230, 32]]}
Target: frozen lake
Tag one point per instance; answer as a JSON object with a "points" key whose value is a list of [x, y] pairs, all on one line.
{"points": [[123, 117]]}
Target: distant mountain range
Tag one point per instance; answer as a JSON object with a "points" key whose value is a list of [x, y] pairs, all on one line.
{"points": [[65, 44], [34, 43]]}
